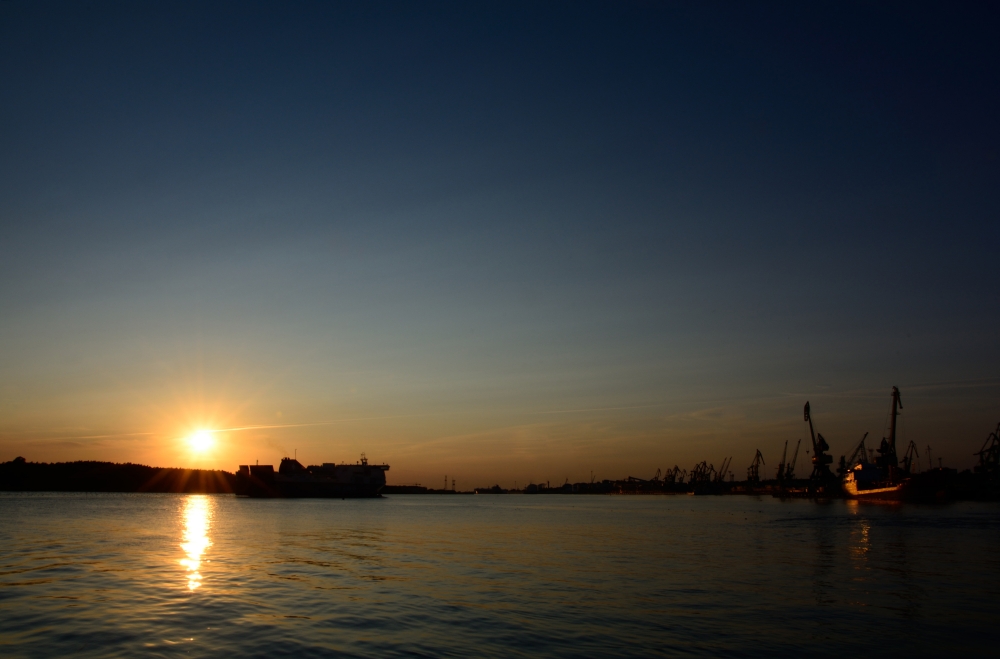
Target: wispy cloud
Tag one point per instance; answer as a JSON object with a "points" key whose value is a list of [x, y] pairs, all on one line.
{"points": [[80, 437], [584, 410]]}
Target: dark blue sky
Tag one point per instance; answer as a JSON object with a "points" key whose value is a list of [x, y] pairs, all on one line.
{"points": [[522, 238]]}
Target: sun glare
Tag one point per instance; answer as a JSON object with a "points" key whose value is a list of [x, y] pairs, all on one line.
{"points": [[197, 520], [201, 440]]}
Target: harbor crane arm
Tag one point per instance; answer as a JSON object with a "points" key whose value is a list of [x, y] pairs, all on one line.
{"points": [[790, 469], [809, 419], [860, 454], [989, 457], [721, 474], [897, 402], [753, 471], [909, 458], [988, 444]]}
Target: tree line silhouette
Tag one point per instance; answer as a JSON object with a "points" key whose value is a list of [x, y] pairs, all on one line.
{"points": [[19, 475]]}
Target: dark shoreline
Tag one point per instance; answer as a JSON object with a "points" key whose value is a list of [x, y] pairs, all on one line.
{"points": [[19, 475]]}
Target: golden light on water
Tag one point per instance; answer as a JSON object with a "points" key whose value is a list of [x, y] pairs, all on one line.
{"points": [[197, 521]]}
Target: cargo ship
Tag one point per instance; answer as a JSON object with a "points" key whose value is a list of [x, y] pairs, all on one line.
{"points": [[866, 481], [883, 479], [888, 477], [328, 480]]}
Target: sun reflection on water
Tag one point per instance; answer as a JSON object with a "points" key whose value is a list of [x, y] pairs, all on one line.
{"points": [[860, 542], [197, 520]]}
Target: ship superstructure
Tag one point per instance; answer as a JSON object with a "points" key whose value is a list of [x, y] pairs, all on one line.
{"points": [[329, 480]]}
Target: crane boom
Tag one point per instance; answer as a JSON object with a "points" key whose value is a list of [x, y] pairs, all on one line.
{"points": [[860, 455], [781, 465], [753, 471], [790, 469], [888, 460], [720, 475], [809, 419], [820, 460], [910, 457]]}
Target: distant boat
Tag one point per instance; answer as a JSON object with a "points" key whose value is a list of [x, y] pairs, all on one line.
{"points": [[496, 489], [328, 480], [866, 481]]}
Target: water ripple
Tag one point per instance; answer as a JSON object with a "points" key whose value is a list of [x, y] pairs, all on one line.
{"points": [[550, 576]]}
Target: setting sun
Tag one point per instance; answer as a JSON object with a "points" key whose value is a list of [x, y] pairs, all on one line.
{"points": [[201, 440]]}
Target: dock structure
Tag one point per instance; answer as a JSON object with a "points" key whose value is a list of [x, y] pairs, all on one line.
{"points": [[862, 476]]}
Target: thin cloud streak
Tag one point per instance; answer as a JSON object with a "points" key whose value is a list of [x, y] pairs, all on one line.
{"points": [[435, 414], [598, 409], [71, 437]]}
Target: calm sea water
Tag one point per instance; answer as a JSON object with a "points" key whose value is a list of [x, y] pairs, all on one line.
{"points": [[493, 576]]}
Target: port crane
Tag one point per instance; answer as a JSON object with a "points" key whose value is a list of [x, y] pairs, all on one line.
{"points": [[790, 467], [989, 457], [701, 472], [635, 479], [860, 455], [753, 471], [780, 476], [675, 475], [887, 460], [910, 457], [720, 476], [820, 460]]}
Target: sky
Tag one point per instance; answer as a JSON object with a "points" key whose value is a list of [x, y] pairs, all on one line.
{"points": [[502, 242]]}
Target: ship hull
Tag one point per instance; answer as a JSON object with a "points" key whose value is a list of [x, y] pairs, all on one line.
{"points": [[929, 486], [327, 481], [256, 488], [889, 492], [321, 490]]}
